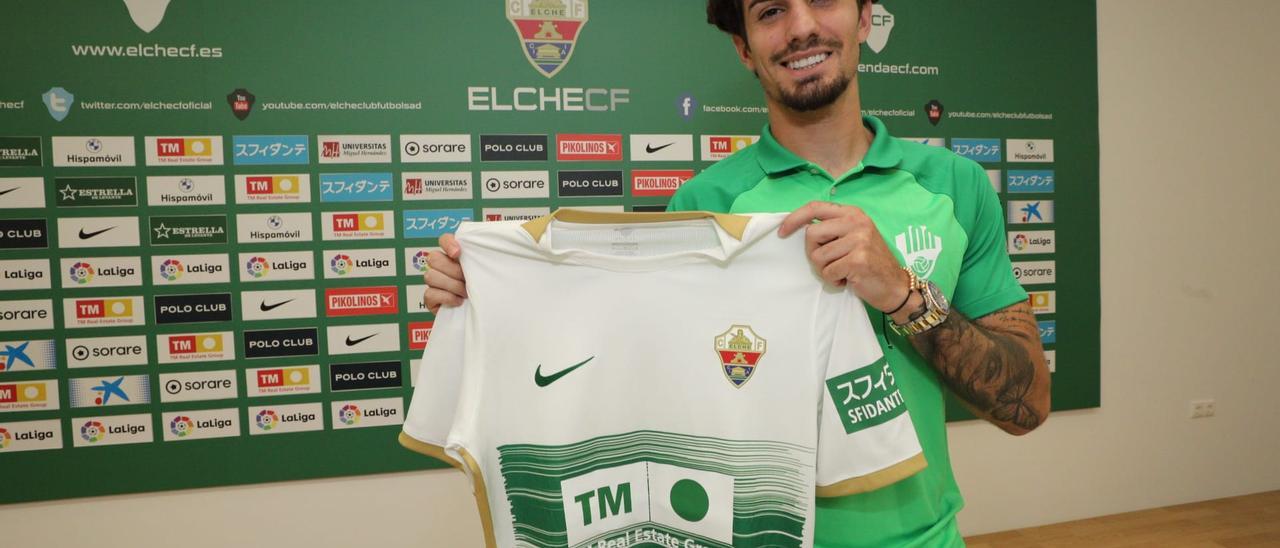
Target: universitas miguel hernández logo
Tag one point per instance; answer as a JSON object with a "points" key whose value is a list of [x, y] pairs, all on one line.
{"points": [[548, 30]]}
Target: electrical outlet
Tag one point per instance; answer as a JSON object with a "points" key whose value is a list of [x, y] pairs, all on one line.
{"points": [[1202, 409]]}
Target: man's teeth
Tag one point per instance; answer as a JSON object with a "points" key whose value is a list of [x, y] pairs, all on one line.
{"points": [[807, 61]]}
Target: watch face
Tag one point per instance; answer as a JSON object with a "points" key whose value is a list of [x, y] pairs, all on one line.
{"points": [[938, 298]]}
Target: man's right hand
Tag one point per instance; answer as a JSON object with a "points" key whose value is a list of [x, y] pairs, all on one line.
{"points": [[445, 283]]}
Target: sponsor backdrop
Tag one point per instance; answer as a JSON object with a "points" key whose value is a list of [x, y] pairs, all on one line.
{"points": [[212, 238]]}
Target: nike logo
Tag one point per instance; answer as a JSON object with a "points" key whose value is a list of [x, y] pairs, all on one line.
{"points": [[360, 340], [652, 149], [3, 192], [540, 380], [86, 235], [263, 306]]}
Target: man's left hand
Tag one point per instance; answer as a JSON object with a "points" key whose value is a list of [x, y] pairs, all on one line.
{"points": [[845, 247]]}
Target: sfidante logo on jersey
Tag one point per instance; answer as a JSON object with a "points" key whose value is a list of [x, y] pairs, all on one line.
{"points": [[276, 266], [360, 301], [188, 230], [277, 304], [19, 274], [658, 182], [201, 425], [1048, 331], [1031, 241], [514, 184], [359, 263], [1030, 150], [276, 381], [415, 260], [97, 232], [96, 191], [415, 299], [103, 311], [107, 351], [113, 430], [978, 150], [422, 149], [204, 150], [1027, 181], [359, 339], [107, 391], [719, 147], [269, 150], [419, 334], [432, 223], [26, 315], [1043, 302], [275, 343], [280, 419], [30, 436], [365, 413], [443, 185], [273, 227], [1035, 272], [514, 213], [354, 149], [364, 375], [588, 147], [186, 190], [355, 187], [190, 269], [193, 308], [513, 148], [21, 152], [273, 189], [1023, 212], [24, 233], [740, 350], [590, 183], [358, 225], [198, 386], [93, 152], [548, 31], [78, 272], [195, 347], [866, 397], [661, 148], [28, 395], [21, 192], [27, 355]]}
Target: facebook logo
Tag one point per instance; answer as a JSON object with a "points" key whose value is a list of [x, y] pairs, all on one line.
{"points": [[686, 105]]}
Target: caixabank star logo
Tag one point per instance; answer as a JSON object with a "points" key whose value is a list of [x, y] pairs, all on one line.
{"points": [[548, 30]]}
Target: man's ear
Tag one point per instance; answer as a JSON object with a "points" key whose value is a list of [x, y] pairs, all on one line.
{"points": [[864, 21], [744, 53]]}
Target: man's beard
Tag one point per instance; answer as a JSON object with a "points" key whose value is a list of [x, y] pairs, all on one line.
{"points": [[814, 95]]}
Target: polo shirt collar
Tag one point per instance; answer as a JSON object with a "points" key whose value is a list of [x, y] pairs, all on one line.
{"points": [[774, 158]]}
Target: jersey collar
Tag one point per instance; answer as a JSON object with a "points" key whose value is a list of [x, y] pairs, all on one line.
{"points": [[775, 159]]}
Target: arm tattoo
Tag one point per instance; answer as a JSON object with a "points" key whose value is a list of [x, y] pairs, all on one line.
{"points": [[990, 370]]}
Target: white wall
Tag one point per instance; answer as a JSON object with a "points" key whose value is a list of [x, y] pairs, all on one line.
{"points": [[1188, 113]]}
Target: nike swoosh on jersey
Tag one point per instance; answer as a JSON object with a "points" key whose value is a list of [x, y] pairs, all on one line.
{"points": [[358, 341], [86, 235], [540, 380], [3, 192], [263, 306], [652, 149]]}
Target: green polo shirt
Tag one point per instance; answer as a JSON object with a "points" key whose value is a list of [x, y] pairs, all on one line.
{"points": [[939, 215]]}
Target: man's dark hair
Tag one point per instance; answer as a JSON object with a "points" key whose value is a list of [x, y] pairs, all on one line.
{"points": [[727, 15]]}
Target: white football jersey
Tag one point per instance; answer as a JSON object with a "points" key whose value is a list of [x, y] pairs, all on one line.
{"points": [[669, 379]]}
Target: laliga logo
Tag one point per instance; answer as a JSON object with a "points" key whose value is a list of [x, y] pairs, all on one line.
{"points": [[147, 14], [349, 414], [881, 26], [548, 30]]}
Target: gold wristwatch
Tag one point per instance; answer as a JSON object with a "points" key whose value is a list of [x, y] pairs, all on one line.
{"points": [[936, 309]]}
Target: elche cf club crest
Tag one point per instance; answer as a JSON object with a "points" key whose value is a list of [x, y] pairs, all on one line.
{"points": [[548, 30], [739, 350]]}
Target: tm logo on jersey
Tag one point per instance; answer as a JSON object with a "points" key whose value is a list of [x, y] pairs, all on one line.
{"points": [[919, 249], [739, 350]]}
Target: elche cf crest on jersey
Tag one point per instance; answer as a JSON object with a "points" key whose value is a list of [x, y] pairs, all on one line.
{"points": [[668, 379]]}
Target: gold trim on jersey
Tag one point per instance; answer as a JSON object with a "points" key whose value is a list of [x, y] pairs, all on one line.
{"points": [[874, 480], [735, 225], [433, 451], [482, 498]]}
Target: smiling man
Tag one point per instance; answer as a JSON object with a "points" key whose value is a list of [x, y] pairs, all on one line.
{"points": [[916, 232]]}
